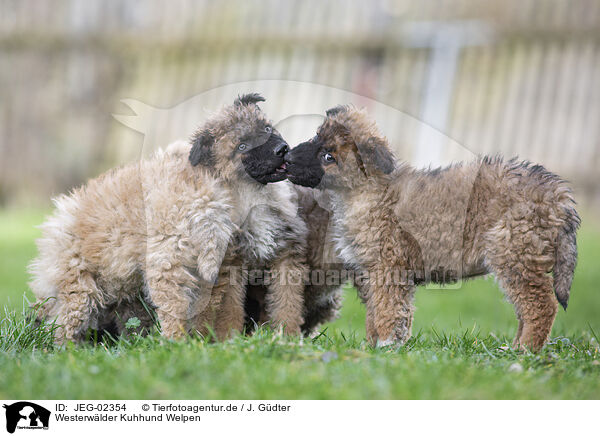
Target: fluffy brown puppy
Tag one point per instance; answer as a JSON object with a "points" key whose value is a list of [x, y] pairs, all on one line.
{"points": [[179, 227], [323, 291], [402, 226], [323, 287], [326, 275]]}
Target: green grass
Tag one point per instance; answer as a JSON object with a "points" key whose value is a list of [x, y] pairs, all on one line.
{"points": [[459, 349]]}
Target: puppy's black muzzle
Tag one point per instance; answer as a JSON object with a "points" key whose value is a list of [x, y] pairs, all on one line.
{"points": [[303, 166], [265, 163], [300, 154]]}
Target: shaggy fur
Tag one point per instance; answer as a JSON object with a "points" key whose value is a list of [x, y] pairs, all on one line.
{"points": [[323, 291], [326, 275], [404, 226], [179, 227]]}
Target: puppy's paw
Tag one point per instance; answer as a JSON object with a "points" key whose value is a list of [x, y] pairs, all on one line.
{"points": [[385, 343]]}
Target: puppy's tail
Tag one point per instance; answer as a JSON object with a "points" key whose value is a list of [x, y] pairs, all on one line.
{"points": [[566, 258]]}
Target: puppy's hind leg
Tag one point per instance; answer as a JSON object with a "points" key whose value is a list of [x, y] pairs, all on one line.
{"points": [[535, 306], [528, 287], [77, 303]]}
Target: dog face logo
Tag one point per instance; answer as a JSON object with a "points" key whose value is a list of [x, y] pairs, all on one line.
{"points": [[26, 415]]}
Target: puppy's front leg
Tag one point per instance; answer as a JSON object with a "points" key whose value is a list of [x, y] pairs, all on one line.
{"points": [[169, 292], [285, 299], [230, 315], [370, 324], [362, 287], [173, 285], [389, 308]]}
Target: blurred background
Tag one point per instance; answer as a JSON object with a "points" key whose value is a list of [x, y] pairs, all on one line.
{"points": [[517, 77]]}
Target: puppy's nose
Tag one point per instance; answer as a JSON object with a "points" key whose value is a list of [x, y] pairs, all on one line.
{"points": [[281, 149], [288, 157]]}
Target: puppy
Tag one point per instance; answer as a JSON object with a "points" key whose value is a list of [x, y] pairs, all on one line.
{"points": [[401, 226], [323, 286], [179, 227], [326, 275]]}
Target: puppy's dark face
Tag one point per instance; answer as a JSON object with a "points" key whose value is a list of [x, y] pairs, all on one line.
{"points": [[329, 160], [241, 142], [262, 155], [346, 151], [304, 164]]}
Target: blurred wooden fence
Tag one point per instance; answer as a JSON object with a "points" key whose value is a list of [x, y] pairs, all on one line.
{"points": [[523, 81]]}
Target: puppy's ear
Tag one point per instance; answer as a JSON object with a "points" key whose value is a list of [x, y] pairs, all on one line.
{"points": [[376, 155], [202, 152], [336, 110], [246, 99]]}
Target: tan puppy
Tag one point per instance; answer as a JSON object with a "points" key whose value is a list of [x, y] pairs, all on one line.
{"points": [[326, 275], [179, 227], [323, 288], [401, 226]]}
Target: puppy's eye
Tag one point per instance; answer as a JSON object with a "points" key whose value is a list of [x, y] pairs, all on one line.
{"points": [[328, 157], [242, 147], [268, 129]]}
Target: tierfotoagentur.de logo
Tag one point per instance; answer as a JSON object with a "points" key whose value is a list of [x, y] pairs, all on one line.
{"points": [[24, 415]]}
